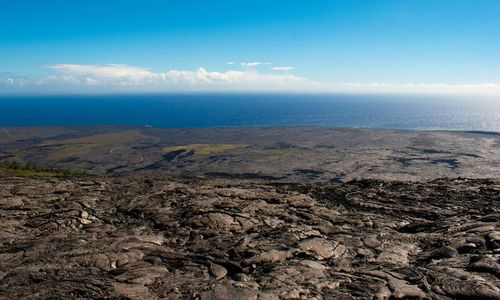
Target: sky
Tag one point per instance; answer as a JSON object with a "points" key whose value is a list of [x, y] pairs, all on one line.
{"points": [[95, 46]]}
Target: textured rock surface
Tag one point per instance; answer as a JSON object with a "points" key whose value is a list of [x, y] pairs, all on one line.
{"points": [[152, 237]]}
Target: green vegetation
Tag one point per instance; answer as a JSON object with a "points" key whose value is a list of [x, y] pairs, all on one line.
{"points": [[29, 170], [278, 153], [81, 146], [205, 149], [61, 152]]}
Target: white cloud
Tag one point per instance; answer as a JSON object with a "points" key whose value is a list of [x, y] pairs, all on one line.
{"points": [[251, 64], [130, 76], [122, 78], [13, 82], [284, 69], [103, 71], [231, 62]]}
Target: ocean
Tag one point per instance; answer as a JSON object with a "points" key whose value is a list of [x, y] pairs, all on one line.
{"points": [[215, 110]]}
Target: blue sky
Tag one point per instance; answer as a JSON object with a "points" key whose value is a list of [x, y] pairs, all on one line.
{"points": [[358, 45]]}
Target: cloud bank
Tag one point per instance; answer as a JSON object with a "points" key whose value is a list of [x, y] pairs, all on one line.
{"points": [[124, 75], [124, 78], [116, 77]]}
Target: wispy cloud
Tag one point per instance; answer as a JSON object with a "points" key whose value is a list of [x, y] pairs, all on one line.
{"points": [[251, 64], [10, 80], [284, 69], [102, 71]]}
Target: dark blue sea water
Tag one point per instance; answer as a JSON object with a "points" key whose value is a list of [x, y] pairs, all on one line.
{"points": [[210, 110]]}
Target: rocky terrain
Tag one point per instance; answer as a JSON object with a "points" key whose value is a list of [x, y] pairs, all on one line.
{"points": [[286, 154], [154, 237]]}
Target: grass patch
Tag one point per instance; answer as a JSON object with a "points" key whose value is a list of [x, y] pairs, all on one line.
{"points": [[64, 151], [205, 149], [81, 146], [278, 153], [29, 170]]}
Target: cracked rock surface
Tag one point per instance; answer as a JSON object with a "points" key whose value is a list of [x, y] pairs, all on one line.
{"points": [[154, 237]]}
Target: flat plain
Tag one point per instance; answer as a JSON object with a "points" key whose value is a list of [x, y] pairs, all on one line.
{"points": [[294, 154]]}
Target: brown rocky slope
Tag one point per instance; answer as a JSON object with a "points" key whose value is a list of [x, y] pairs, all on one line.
{"points": [[157, 237]]}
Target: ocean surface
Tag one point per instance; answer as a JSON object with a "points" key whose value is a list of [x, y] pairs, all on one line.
{"points": [[213, 110]]}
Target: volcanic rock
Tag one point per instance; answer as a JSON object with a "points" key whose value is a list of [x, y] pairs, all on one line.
{"points": [[154, 237]]}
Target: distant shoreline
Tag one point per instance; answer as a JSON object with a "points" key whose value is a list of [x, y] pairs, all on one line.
{"points": [[118, 126]]}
